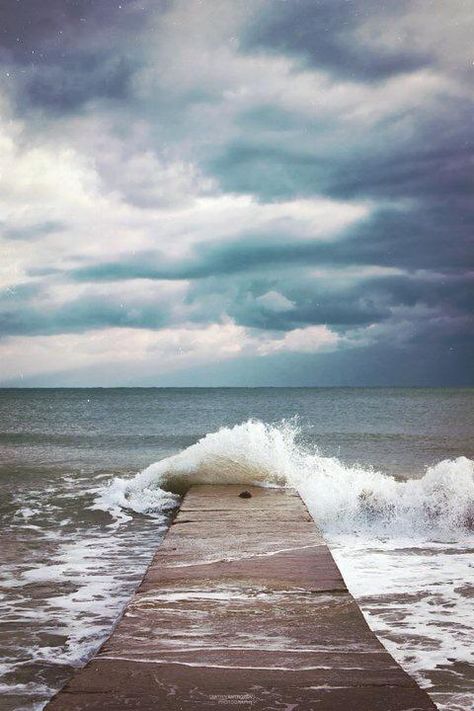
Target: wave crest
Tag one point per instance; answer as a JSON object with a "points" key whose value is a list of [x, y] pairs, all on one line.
{"points": [[340, 497]]}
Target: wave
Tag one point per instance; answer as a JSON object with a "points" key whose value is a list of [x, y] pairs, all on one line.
{"points": [[340, 497]]}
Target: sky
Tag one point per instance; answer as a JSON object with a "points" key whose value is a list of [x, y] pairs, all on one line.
{"points": [[223, 192]]}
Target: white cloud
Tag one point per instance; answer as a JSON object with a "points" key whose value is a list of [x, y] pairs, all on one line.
{"points": [[274, 301], [440, 30], [195, 47], [152, 352], [311, 339], [115, 181], [117, 204], [158, 352]]}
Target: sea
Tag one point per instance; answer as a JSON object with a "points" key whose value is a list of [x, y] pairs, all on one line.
{"points": [[90, 477]]}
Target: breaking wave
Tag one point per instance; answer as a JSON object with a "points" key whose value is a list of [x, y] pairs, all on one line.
{"points": [[340, 497]]}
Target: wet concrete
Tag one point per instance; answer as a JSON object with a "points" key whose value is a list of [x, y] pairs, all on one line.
{"points": [[242, 606]]}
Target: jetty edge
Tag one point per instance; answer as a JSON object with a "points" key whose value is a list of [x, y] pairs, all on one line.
{"points": [[242, 607]]}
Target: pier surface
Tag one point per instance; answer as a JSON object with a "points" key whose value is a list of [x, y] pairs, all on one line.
{"points": [[242, 607]]}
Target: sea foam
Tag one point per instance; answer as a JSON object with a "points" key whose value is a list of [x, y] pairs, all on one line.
{"points": [[340, 497]]}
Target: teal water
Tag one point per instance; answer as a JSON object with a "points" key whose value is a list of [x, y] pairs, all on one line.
{"points": [[396, 430], [68, 568]]}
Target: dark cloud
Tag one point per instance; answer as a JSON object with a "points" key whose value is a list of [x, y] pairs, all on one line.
{"points": [[414, 239], [435, 161], [428, 236], [343, 304], [322, 33], [31, 31], [313, 304], [22, 312], [64, 53], [225, 286], [68, 86], [279, 155], [32, 232], [382, 364], [411, 158], [247, 253], [428, 180]]}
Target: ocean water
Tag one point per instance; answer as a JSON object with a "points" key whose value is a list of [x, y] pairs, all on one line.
{"points": [[88, 478]]}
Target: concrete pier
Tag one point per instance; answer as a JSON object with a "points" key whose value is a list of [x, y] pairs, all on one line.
{"points": [[242, 607]]}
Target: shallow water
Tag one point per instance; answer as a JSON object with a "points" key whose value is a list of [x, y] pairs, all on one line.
{"points": [[78, 527]]}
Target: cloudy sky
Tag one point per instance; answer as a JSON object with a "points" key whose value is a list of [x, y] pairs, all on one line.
{"points": [[261, 192]]}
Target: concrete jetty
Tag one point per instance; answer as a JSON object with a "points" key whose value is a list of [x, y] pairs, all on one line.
{"points": [[242, 607]]}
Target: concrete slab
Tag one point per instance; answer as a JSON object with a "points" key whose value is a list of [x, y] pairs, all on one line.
{"points": [[242, 606]]}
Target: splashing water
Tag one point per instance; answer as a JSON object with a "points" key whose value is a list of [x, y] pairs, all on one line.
{"points": [[402, 547], [341, 498]]}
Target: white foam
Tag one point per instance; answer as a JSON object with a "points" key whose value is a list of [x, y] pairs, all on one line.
{"points": [[403, 546], [340, 497], [415, 594]]}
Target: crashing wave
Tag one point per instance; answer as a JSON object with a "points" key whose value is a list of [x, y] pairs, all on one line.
{"points": [[340, 497]]}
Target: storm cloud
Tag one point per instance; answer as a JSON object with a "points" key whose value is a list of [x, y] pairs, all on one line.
{"points": [[228, 192]]}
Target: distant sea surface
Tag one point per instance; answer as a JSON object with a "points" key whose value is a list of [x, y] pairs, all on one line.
{"points": [[88, 478]]}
